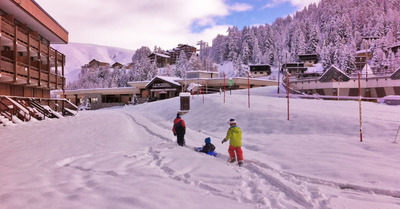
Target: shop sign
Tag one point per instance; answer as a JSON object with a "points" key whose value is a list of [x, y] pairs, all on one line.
{"points": [[161, 85]]}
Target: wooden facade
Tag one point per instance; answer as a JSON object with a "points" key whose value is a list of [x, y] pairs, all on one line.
{"points": [[170, 57], [260, 70], [295, 68], [162, 87], [29, 66], [308, 59]]}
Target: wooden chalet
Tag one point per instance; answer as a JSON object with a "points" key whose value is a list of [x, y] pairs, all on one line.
{"points": [[260, 70], [295, 68], [117, 65], [309, 60], [174, 53], [162, 59], [171, 56], [361, 58], [29, 67], [96, 64], [163, 87]]}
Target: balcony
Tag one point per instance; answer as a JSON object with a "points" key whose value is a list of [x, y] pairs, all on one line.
{"points": [[31, 61]]}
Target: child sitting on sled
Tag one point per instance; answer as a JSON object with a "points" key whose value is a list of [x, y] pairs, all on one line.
{"points": [[208, 148]]}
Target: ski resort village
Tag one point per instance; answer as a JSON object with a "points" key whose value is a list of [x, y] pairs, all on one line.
{"points": [[297, 110]]}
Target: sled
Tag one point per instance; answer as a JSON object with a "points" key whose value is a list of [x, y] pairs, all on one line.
{"points": [[212, 153]]}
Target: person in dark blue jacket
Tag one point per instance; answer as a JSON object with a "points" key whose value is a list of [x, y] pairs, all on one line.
{"points": [[208, 147]]}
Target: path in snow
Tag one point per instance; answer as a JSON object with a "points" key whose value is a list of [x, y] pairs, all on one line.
{"points": [[260, 184]]}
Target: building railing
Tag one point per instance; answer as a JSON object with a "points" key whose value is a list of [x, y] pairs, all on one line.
{"points": [[25, 108], [7, 69], [24, 37]]}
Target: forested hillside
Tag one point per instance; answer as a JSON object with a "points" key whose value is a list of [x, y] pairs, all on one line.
{"points": [[333, 29]]}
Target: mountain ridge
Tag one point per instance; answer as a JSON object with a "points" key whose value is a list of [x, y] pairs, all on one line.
{"points": [[79, 54]]}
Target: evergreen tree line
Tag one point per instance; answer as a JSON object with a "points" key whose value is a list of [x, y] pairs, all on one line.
{"points": [[142, 70], [333, 29]]}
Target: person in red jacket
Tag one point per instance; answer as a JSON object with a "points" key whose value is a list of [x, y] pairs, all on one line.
{"points": [[179, 130]]}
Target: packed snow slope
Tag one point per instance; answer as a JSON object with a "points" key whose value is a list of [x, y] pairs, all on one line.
{"points": [[127, 157]]}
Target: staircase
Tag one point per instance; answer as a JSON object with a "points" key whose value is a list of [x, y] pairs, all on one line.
{"points": [[10, 108], [21, 109], [45, 112]]}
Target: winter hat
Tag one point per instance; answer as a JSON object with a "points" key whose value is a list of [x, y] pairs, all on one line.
{"points": [[178, 116], [232, 121], [207, 140]]}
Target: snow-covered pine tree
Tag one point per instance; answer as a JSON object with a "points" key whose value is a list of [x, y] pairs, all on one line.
{"points": [[233, 40], [181, 65], [141, 64], [194, 63]]}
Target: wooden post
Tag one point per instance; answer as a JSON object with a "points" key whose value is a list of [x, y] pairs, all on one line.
{"points": [[28, 54], [359, 101], [287, 88], [224, 88], [248, 83], [48, 66], [56, 70], [279, 70], [338, 89], [202, 84], [15, 54]]}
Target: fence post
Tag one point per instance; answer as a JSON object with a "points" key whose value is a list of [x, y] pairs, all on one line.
{"points": [[287, 88], [248, 83], [359, 101], [224, 88]]}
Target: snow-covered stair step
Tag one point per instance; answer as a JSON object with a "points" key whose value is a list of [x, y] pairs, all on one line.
{"points": [[5, 122]]}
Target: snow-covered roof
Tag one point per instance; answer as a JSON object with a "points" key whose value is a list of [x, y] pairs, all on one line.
{"points": [[318, 67], [363, 51], [162, 55], [367, 71], [116, 90], [172, 80], [395, 75], [334, 73]]}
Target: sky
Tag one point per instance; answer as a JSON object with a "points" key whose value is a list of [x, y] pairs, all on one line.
{"points": [[131, 24], [127, 157]]}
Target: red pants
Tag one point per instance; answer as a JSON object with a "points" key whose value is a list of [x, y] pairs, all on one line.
{"points": [[238, 150]]}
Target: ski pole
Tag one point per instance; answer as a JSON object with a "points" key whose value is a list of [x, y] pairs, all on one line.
{"points": [[395, 139]]}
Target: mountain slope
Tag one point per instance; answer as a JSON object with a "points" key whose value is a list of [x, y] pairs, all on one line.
{"points": [[78, 54]]}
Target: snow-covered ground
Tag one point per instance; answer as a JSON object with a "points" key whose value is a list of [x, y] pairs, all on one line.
{"points": [[127, 157]]}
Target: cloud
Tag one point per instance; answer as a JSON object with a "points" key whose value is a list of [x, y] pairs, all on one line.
{"points": [[134, 23], [297, 3], [240, 7]]}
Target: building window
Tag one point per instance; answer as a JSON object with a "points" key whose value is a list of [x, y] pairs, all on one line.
{"points": [[110, 98], [94, 100]]}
